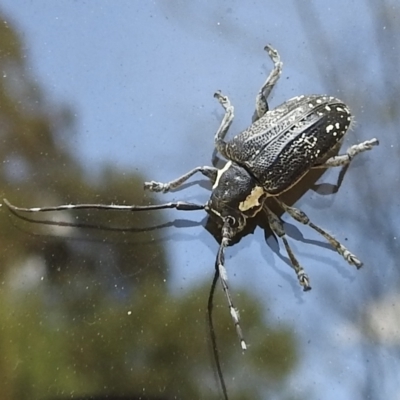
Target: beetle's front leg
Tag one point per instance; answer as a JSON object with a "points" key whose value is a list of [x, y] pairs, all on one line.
{"points": [[344, 159], [220, 144], [262, 96], [209, 172]]}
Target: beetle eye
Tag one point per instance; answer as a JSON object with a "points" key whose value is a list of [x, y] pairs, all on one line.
{"points": [[231, 220]]}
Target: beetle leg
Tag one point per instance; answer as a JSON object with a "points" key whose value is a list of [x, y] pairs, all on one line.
{"points": [[277, 227], [209, 172], [300, 216], [220, 144], [344, 159], [262, 96]]}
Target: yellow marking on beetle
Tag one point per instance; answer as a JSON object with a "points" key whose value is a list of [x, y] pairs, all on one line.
{"points": [[220, 172], [252, 200]]}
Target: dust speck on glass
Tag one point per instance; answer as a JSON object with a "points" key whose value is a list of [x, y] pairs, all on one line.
{"points": [[264, 161]]}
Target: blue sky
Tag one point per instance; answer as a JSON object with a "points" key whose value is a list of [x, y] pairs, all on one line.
{"points": [[140, 78]]}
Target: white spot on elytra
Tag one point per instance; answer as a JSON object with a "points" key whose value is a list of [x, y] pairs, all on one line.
{"points": [[329, 128]]}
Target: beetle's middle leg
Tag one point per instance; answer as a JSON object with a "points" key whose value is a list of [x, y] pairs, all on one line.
{"points": [[266, 88], [352, 151], [277, 227], [301, 217], [209, 172]]}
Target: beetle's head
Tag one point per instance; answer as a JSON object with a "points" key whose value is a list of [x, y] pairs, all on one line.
{"points": [[236, 196]]}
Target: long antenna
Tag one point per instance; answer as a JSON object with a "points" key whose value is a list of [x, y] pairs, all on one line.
{"points": [[179, 205]]}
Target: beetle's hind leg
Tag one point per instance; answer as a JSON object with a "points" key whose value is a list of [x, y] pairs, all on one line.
{"points": [[300, 216], [209, 172], [351, 152], [266, 88], [277, 227]]}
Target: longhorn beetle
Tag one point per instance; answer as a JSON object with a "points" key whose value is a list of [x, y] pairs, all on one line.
{"points": [[264, 160]]}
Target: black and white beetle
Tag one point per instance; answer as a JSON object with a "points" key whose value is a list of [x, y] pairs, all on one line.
{"points": [[264, 160]]}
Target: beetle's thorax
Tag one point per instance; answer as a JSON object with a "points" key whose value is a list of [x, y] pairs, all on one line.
{"points": [[236, 194]]}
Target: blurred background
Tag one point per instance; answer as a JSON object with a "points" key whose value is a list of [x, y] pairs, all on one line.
{"points": [[97, 97]]}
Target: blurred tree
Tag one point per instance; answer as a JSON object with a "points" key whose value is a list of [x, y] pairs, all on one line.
{"points": [[87, 312]]}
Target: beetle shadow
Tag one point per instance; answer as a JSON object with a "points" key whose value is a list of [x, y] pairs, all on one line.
{"points": [[122, 229], [275, 245], [292, 231], [325, 189]]}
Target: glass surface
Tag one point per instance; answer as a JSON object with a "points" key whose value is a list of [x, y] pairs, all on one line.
{"points": [[98, 97]]}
